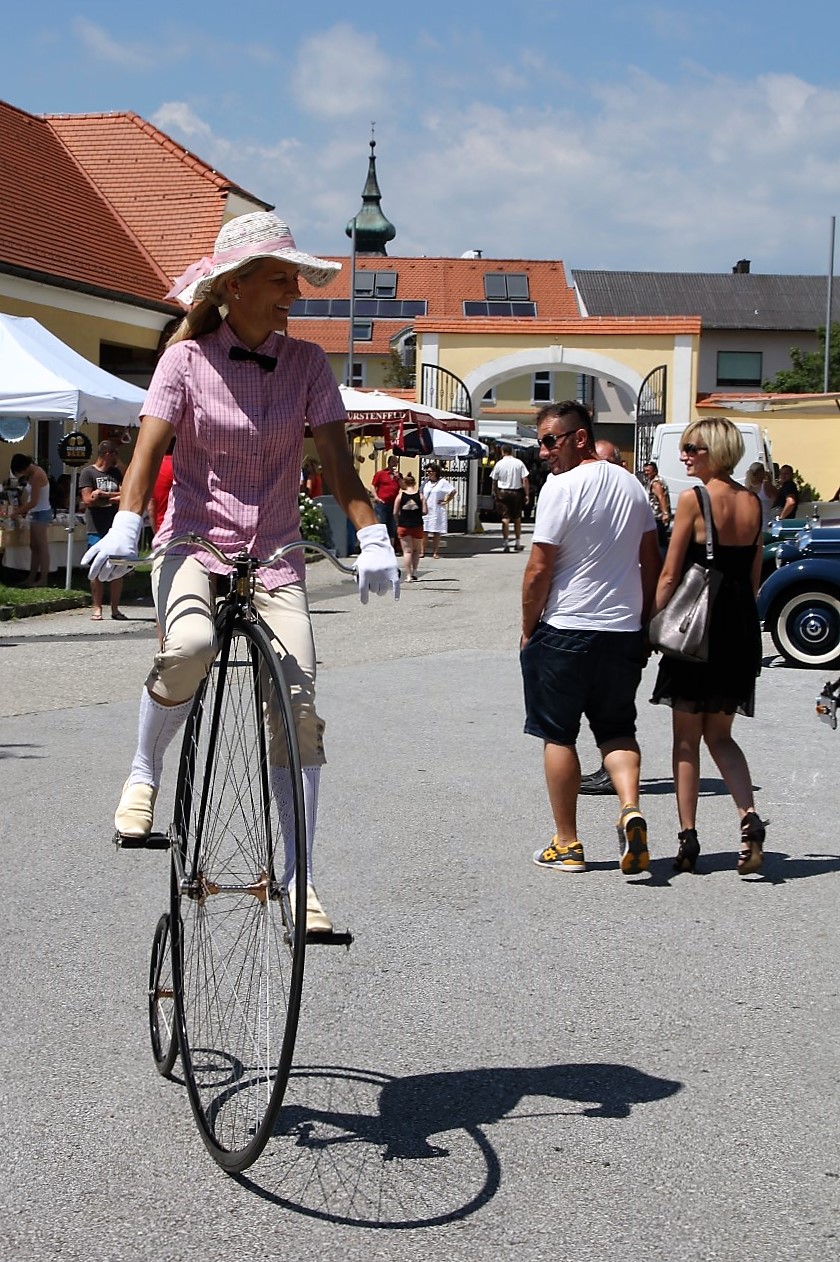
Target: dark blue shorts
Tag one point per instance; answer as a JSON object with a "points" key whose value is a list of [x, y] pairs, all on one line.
{"points": [[567, 674]]}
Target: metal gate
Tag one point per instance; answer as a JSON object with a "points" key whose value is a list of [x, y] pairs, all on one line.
{"points": [[650, 412], [441, 388]]}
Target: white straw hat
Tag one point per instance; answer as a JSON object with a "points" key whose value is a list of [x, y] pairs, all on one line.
{"points": [[259, 235]]}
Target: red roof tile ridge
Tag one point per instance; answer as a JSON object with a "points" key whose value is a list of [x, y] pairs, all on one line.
{"points": [[189, 159], [138, 244]]}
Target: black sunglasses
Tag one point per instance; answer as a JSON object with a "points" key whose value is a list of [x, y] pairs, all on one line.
{"points": [[691, 449], [549, 441]]}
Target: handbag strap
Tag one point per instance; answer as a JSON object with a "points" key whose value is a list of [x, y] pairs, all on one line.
{"points": [[706, 503]]}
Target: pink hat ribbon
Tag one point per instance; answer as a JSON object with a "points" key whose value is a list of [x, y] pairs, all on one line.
{"points": [[197, 271]]}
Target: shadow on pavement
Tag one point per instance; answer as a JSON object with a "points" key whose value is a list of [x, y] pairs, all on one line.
{"points": [[366, 1149], [19, 751]]}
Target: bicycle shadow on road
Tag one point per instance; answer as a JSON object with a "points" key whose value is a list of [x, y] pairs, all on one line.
{"points": [[19, 751], [366, 1149]]}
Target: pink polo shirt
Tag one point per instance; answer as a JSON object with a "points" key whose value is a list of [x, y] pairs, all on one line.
{"points": [[240, 432]]}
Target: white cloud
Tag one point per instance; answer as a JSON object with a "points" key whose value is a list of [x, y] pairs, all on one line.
{"points": [[98, 42], [638, 174], [341, 72]]}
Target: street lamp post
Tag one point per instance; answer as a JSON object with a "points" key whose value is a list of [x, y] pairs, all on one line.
{"points": [[349, 380]]}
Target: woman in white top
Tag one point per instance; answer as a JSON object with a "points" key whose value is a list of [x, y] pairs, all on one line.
{"points": [[437, 493], [35, 504], [759, 481]]}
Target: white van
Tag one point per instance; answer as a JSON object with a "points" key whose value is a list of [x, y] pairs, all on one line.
{"points": [[665, 454]]}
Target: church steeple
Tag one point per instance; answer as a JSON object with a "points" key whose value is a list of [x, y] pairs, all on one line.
{"points": [[373, 230]]}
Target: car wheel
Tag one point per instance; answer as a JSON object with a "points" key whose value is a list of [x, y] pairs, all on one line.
{"points": [[805, 627]]}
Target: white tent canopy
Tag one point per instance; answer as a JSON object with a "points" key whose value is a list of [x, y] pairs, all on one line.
{"points": [[44, 379]]}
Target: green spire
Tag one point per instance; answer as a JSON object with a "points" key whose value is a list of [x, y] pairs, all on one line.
{"points": [[373, 230]]}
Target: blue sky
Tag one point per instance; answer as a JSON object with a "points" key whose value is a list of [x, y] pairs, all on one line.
{"points": [[637, 136]]}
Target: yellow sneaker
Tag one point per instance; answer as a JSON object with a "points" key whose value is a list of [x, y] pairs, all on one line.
{"points": [[560, 858], [632, 841]]}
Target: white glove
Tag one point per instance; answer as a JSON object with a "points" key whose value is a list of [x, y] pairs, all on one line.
{"points": [[122, 540], [377, 565]]}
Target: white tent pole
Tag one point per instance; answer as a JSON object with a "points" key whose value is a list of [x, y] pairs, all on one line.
{"points": [[71, 526]]}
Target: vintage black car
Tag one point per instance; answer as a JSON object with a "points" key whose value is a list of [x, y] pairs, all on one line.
{"points": [[799, 603]]}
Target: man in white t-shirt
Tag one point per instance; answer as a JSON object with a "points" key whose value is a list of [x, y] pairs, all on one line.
{"points": [[511, 492], [588, 587]]}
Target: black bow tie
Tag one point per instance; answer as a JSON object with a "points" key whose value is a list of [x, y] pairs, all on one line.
{"points": [[267, 362]]}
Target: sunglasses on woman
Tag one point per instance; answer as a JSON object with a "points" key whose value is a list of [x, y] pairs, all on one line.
{"points": [[691, 449], [549, 441]]}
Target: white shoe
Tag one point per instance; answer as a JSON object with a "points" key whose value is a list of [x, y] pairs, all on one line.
{"points": [[317, 920], [135, 814]]}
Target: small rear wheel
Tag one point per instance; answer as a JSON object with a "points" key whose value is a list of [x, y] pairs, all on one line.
{"points": [[162, 1000], [238, 944], [805, 627]]}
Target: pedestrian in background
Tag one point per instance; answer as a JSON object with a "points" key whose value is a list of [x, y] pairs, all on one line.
{"points": [[409, 510], [386, 485], [438, 494], [660, 502], [99, 487], [511, 492], [34, 504]]}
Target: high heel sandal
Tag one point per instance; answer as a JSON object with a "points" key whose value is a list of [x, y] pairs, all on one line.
{"points": [[688, 851], [751, 855]]}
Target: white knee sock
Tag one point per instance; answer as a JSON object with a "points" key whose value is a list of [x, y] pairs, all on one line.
{"points": [[281, 787], [158, 725]]}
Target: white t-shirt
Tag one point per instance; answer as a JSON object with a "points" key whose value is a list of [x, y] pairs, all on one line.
{"points": [[595, 515], [509, 473]]}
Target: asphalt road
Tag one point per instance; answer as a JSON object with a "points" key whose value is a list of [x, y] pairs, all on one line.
{"points": [[509, 1062]]}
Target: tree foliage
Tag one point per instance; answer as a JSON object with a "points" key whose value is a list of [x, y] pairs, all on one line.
{"points": [[397, 374], [807, 371]]}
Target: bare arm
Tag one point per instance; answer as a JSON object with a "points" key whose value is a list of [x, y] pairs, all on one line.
{"points": [[536, 584], [789, 507], [154, 438], [681, 536], [526, 487], [341, 475], [650, 564], [662, 500]]}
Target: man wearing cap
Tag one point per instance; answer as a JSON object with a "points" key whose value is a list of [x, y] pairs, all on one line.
{"points": [[99, 487], [240, 427]]}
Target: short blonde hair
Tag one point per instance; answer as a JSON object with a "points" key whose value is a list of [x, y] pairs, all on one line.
{"points": [[721, 439]]}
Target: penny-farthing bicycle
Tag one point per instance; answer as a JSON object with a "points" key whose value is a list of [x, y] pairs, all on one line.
{"points": [[226, 973]]}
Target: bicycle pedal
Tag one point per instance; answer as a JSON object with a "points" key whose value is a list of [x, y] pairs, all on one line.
{"points": [[153, 841], [328, 937]]}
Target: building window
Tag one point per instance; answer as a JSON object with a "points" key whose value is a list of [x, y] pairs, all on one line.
{"points": [[739, 368], [506, 286], [134, 364], [363, 331], [489, 398], [499, 308], [358, 377], [541, 388], [376, 285]]}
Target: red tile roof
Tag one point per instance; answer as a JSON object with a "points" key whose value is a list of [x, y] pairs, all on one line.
{"points": [[445, 284], [171, 201], [55, 224]]}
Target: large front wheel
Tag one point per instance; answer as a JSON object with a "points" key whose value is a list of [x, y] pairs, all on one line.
{"points": [[237, 943]]}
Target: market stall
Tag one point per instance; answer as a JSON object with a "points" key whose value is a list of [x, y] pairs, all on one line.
{"points": [[43, 379]]}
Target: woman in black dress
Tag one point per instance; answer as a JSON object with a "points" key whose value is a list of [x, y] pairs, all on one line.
{"points": [[409, 510], [705, 697]]}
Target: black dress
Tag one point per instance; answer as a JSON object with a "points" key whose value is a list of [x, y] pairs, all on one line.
{"points": [[725, 684]]}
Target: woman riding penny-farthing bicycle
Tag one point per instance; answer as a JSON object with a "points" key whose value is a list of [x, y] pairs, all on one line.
{"points": [[237, 394]]}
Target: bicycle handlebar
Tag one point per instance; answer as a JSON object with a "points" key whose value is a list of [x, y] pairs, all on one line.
{"points": [[199, 541]]}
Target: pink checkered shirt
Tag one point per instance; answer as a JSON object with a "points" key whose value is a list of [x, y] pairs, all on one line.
{"points": [[240, 430]]}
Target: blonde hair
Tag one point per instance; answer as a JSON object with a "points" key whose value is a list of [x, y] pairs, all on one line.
{"points": [[755, 476], [205, 316], [721, 439]]}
